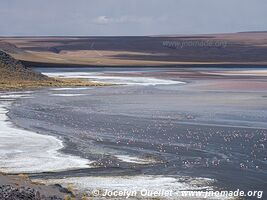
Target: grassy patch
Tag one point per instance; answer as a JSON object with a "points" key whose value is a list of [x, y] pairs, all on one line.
{"points": [[26, 84]]}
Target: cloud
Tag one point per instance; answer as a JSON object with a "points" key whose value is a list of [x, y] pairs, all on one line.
{"points": [[122, 19], [101, 20]]}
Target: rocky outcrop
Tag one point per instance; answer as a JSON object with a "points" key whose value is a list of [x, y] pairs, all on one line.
{"points": [[12, 69], [9, 192], [14, 75]]}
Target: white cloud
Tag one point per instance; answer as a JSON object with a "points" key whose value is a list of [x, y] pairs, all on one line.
{"points": [[123, 19], [101, 20]]}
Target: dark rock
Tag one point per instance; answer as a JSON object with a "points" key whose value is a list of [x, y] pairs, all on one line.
{"points": [[8, 192], [62, 189]]}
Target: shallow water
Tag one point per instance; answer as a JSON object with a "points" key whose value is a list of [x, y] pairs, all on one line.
{"points": [[102, 77], [23, 151], [168, 130]]}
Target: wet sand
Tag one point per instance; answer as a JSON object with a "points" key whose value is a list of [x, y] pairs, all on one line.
{"points": [[202, 130]]}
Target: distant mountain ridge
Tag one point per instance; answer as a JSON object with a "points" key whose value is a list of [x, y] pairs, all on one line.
{"points": [[253, 32], [10, 48], [225, 49]]}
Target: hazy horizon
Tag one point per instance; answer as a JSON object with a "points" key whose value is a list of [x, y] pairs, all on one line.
{"points": [[130, 18]]}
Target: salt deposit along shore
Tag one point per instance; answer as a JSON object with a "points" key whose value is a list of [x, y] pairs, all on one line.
{"points": [[23, 151]]}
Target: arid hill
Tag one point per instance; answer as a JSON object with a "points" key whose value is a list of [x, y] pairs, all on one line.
{"points": [[13, 70], [14, 75], [248, 49]]}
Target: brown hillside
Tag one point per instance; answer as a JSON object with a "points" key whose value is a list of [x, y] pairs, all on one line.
{"points": [[13, 70], [14, 75]]}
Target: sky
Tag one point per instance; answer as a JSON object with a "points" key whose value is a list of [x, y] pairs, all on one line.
{"points": [[130, 17]]}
